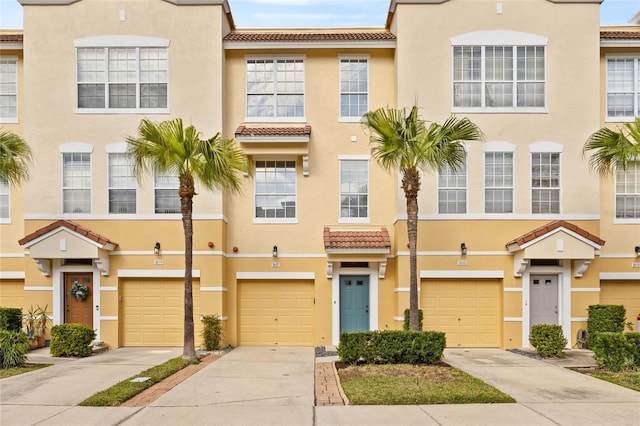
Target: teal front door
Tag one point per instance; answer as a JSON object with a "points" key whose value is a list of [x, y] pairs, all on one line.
{"points": [[354, 303]]}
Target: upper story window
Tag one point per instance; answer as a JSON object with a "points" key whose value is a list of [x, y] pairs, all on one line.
{"points": [[452, 190], [499, 71], [121, 184], [4, 199], [545, 182], [628, 192], [498, 182], [275, 89], [76, 182], [354, 88], [167, 198], [122, 73], [8, 90], [623, 88], [354, 189], [275, 197]]}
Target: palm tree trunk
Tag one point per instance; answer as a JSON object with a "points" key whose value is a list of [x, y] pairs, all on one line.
{"points": [[187, 191], [411, 186]]}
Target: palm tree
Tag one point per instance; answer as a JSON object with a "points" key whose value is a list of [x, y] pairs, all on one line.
{"points": [[402, 142], [217, 163], [614, 150], [15, 157]]}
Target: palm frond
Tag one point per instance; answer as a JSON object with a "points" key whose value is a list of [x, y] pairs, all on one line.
{"points": [[15, 158], [613, 150]]}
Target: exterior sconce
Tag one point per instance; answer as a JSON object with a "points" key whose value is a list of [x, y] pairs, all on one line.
{"points": [[637, 249], [275, 251], [463, 249], [156, 248]]}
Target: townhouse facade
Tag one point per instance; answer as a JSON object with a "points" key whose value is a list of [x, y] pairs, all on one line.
{"points": [[316, 244]]}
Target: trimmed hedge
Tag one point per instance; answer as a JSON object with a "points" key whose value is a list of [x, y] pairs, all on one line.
{"points": [[13, 349], [212, 332], [548, 340], [605, 318], [405, 326], [11, 319], [392, 347], [617, 351], [71, 340]]}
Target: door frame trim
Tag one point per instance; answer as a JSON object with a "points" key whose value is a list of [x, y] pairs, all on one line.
{"points": [[563, 273], [57, 274], [372, 273]]}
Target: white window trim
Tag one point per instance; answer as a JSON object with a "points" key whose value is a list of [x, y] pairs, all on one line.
{"points": [[88, 150], [616, 220], [636, 89], [366, 158], [155, 201], [501, 38], [455, 215], [274, 58], [560, 191], [13, 120], [275, 220], [494, 147], [341, 57], [7, 220], [115, 41], [116, 149]]}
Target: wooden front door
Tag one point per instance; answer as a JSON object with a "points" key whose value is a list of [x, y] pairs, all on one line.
{"points": [[76, 311]]}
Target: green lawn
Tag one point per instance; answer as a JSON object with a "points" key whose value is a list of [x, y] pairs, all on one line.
{"points": [[121, 392], [628, 379], [8, 372], [404, 384]]}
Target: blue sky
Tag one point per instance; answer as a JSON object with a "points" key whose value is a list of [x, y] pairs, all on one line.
{"points": [[323, 13]]}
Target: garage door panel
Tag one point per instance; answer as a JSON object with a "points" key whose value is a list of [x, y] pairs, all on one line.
{"points": [[622, 292], [283, 313], [467, 311]]}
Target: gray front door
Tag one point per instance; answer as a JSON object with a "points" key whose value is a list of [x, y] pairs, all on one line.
{"points": [[354, 303], [544, 299]]}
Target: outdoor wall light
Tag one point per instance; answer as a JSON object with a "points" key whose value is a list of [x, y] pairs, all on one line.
{"points": [[637, 251], [156, 248], [463, 249], [275, 251]]}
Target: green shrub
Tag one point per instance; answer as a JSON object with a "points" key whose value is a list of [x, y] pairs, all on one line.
{"points": [[548, 340], [405, 326], [634, 341], [11, 319], [605, 318], [392, 347], [613, 351], [212, 332], [13, 349], [71, 340]]}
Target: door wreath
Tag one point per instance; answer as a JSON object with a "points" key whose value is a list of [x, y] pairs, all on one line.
{"points": [[79, 291]]}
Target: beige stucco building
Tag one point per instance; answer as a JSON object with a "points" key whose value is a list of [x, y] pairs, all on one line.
{"points": [[316, 243]]}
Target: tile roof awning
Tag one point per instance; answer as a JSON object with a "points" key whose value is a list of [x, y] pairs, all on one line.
{"points": [[284, 140], [308, 39], [619, 38], [361, 244], [560, 240], [64, 239]]}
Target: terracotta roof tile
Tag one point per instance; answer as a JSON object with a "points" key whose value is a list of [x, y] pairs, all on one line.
{"points": [[273, 131], [302, 36], [545, 229], [356, 239], [11, 37], [620, 35], [72, 226]]}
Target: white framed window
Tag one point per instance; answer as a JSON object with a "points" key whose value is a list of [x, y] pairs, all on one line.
{"points": [[4, 200], [8, 89], [623, 88], [354, 190], [275, 88], [545, 182], [121, 184], [76, 182], [275, 190], [354, 88], [499, 77], [166, 196], [498, 182], [452, 190], [628, 192], [122, 78]]}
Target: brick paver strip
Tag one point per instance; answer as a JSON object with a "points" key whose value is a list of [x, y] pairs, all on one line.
{"points": [[156, 391], [327, 389]]}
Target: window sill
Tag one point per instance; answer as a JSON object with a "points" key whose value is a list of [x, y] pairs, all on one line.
{"points": [[354, 220], [349, 119], [275, 119], [122, 111], [485, 110], [9, 120], [5, 221], [619, 119], [275, 221], [618, 221]]}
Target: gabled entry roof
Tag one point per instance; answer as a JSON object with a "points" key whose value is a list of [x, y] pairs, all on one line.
{"points": [[366, 244], [43, 232], [543, 231]]}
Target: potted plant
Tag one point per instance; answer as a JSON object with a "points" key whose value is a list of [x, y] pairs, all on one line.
{"points": [[42, 323], [30, 324]]}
